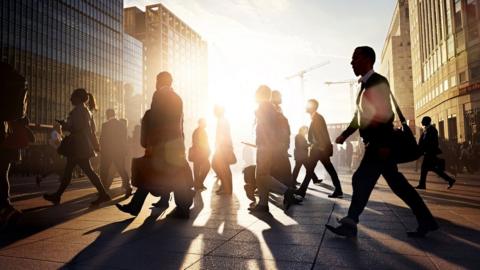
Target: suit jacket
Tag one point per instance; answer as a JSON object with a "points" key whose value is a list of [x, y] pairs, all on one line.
{"points": [[374, 117], [318, 135], [428, 141], [266, 128], [113, 140]]}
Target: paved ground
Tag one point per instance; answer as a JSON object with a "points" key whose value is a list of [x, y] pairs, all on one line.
{"points": [[221, 234]]}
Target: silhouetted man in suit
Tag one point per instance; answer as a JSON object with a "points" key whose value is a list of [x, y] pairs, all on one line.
{"points": [[321, 149], [374, 119], [113, 149], [163, 138], [429, 146], [281, 167]]}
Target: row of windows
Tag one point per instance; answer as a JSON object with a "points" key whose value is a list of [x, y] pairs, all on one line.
{"points": [[49, 43]]}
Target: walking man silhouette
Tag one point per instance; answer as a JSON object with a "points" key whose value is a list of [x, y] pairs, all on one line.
{"points": [[321, 149], [113, 149], [429, 146], [374, 119]]}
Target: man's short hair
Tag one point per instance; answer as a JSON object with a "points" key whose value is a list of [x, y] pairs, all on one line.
{"points": [[314, 102], [368, 52], [164, 78], [110, 112], [427, 120]]}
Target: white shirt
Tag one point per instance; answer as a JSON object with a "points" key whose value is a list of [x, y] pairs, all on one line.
{"points": [[367, 76]]}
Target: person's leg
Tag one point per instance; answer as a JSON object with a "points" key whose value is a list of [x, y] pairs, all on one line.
{"points": [[86, 167], [183, 192], [105, 164], [333, 174], [310, 174], [119, 163], [196, 173], [205, 169], [228, 179], [296, 170], [363, 182], [422, 183], [4, 182], [262, 175], [400, 186], [67, 176], [135, 205]]}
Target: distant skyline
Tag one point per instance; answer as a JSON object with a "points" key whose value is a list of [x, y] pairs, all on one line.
{"points": [[263, 41]]}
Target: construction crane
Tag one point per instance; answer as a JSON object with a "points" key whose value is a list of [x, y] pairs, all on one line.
{"points": [[353, 86], [301, 75]]}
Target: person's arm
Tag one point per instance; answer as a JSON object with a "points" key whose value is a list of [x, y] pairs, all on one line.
{"points": [[352, 127]]}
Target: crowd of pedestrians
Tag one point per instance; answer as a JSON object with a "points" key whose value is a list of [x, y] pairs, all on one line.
{"points": [[157, 161]]}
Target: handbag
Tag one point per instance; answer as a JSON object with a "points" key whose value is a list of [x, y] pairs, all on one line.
{"points": [[65, 147], [405, 148]]}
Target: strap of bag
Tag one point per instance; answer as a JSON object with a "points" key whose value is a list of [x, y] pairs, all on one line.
{"points": [[397, 108], [395, 103]]}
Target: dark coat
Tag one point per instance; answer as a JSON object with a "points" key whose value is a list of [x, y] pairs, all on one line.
{"points": [[266, 129], [114, 138], [428, 142], [80, 125], [318, 135]]}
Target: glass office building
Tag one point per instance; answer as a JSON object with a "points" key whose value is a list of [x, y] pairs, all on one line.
{"points": [[60, 45], [172, 45], [133, 78]]}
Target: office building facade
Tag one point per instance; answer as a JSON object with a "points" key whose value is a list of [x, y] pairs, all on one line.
{"points": [[133, 77], [396, 62], [170, 44], [60, 45], [445, 44]]}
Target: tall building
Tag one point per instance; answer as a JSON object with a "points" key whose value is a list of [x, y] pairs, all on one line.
{"points": [[445, 36], [396, 62], [60, 45], [134, 94], [170, 44]]}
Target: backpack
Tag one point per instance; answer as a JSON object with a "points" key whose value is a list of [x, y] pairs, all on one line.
{"points": [[13, 87]]}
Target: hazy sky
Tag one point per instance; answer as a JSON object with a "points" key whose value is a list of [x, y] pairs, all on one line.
{"points": [[254, 42]]}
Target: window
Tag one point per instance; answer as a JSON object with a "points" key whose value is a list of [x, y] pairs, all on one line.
{"points": [[462, 77], [458, 14]]}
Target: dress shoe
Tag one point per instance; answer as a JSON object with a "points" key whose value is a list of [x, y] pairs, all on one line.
{"points": [[450, 183], [343, 230], [336, 194], [317, 181], [162, 203], [179, 213], [53, 198], [126, 208], [423, 230], [289, 199], [101, 199], [421, 187], [300, 193], [259, 209], [128, 192], [250, 191]]}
